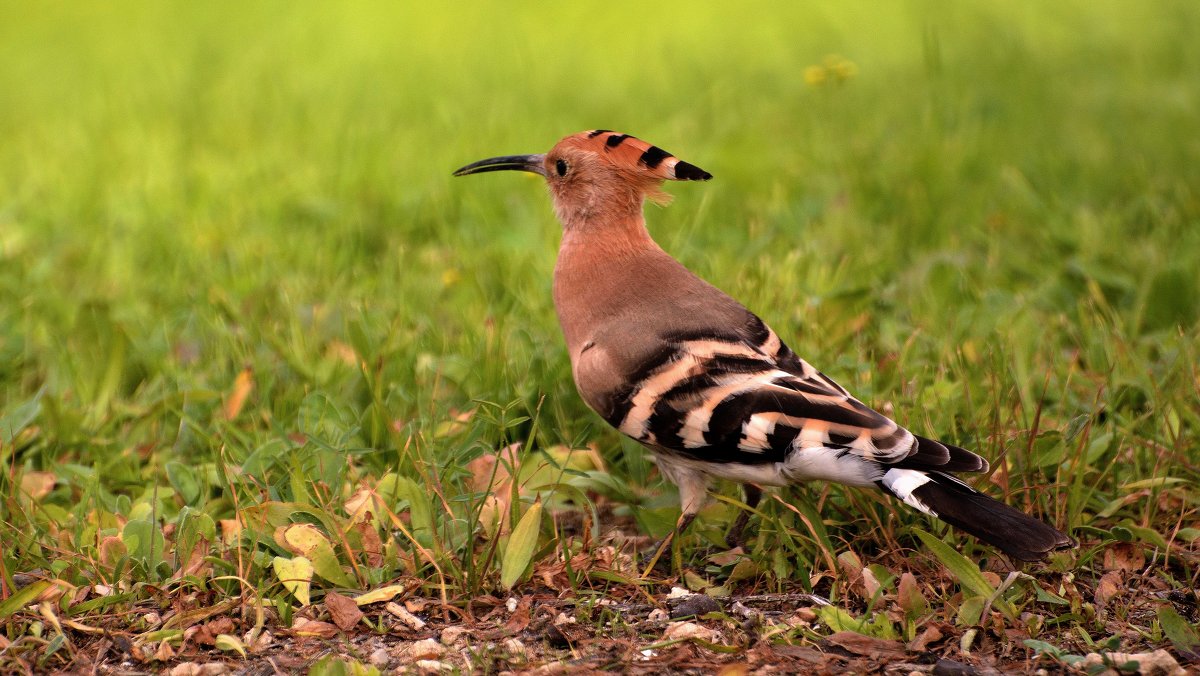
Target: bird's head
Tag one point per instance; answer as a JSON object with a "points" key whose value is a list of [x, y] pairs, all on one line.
{"points": [[598, 175]]}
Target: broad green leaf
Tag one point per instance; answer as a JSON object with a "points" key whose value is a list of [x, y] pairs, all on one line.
{"points": [[296, 576], [418, 499], [145, 541], [23, 597], [521, 545], [1147, 535], [333, 665], [965, 570], [184, 479], [191, 528], [18, 417], [1182, 634], [1188, 534], [230, 644], [308, 541], [870, 624], [970, 611]]}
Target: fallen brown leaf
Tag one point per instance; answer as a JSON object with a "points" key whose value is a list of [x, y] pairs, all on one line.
{"points": [[306, 628], [343, 610], [519, 619], [372, 545], [930, 635], [1110, 586], [1124, 556], [37, 485], [206, 634], [875, 648]]}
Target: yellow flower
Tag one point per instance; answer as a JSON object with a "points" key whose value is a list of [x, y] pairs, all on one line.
{"points": [[834, 69], [815, 76]]}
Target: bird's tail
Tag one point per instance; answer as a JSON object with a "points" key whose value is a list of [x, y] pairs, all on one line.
{"points": [[942, 495]]}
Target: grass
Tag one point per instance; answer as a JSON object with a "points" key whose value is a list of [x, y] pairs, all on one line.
{"points": [[240, 292]]}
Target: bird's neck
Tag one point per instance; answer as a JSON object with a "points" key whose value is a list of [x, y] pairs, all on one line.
{"points": [[595, 262], [606, 238]]}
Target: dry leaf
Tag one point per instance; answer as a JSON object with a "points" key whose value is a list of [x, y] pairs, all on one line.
{"points": [[677, 631], [519, 619], [358, 506], [231, 530], [242, 385], [343, 353], [343, 610], [112, 549], [372, 545], [1110, 586], [493, 472], [870, 584], [164, 652], [1124, 556], [874, 648], [304, 628], [929, 636], [207, 633], [37, 485], [379, 595]]}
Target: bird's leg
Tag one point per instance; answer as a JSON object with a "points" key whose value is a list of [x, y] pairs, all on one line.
{"points": [[736, 536], [652, 557], [693, 492]]}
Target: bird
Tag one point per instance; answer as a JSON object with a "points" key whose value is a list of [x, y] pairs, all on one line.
{"points": [[707, 386]]}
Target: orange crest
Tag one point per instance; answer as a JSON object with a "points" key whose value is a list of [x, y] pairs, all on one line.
{"points": [[635, 155]]}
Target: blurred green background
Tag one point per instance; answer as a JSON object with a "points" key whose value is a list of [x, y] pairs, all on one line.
{"points": [[958, 209]]}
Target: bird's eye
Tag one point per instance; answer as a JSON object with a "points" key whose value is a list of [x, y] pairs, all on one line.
{"points": [[561, 167]]}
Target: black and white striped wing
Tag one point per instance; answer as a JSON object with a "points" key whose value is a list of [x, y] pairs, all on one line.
{"points": [[746, 398]]}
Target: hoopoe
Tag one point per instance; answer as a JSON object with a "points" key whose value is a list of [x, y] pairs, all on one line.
{"points": [[675, 363]]}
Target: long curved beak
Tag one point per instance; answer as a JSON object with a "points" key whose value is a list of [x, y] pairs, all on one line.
{"points": [[530, 163]]}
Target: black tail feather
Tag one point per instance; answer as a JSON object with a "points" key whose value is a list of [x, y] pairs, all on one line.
{"points": [[942, 457], [1011, 531]]}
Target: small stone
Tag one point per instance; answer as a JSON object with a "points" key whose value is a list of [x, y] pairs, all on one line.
{"points": [[562, 619], [429, 667], [658, 615], [1157, 663], [379, 658], [195, 669], [453, 635], [425, 649], [511, 604], [677, 631], [678, 593], [514, 648]]}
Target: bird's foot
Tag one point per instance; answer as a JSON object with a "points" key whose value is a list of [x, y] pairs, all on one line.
{"points": [[657, 559], [736, 537]]}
